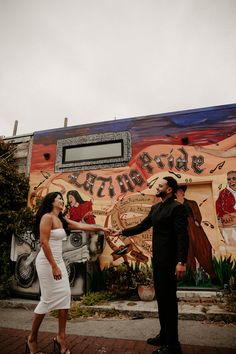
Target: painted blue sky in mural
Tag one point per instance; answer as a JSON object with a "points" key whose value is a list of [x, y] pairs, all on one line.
{"points": [[216, 122]]}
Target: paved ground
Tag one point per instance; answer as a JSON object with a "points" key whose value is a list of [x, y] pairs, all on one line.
{"points": [[12, 341], [126, 335]]}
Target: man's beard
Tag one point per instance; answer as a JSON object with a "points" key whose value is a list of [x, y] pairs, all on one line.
{"points": [[161, 194]]}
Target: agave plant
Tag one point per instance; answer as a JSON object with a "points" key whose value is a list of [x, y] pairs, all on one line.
{"points": [[225, 269]]}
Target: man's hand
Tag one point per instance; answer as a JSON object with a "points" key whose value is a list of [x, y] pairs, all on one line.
{"points": [[116, 233], [180, 270]]}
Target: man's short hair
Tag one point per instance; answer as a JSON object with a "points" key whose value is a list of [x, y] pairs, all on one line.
{"points": [[172, 183], [232, 171]]}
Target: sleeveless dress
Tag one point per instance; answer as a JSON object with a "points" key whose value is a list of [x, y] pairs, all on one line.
{"points": [[55, 294]]}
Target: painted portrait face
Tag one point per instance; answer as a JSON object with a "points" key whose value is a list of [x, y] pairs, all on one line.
{"points": [[180, 193], [231, 179], [72, 200]]}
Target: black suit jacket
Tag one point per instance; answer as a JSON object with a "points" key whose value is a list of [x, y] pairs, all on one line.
{"points": [[170, 237]]}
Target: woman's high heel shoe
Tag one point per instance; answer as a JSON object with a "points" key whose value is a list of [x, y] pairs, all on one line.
{"points": [[57, 347], [27, 348], [27, 351]]}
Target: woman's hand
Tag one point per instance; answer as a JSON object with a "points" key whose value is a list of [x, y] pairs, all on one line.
{"points": [[56, 271], [107, 230]]}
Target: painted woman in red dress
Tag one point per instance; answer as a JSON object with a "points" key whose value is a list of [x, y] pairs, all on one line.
{"points": [[79, 209]]}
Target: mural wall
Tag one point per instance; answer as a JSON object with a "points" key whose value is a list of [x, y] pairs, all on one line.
{"points": [[197, 147]]}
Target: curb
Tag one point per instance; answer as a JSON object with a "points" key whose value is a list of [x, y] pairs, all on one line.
{"points": [[196, 311]]}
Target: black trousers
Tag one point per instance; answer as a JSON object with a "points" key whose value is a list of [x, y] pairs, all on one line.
{"points": [[165, 288]]}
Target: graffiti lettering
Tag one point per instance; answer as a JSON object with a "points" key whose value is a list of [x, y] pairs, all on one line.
{"points": [[181, 162], [170, 160], [197, 161], [136, 178], [127, 182], [73, 179], [145, 159], [122, 180], [89, 183], [101, 188], [159, 161]]}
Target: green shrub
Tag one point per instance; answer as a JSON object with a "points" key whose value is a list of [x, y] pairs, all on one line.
{"points": [[100, 297], [15, 216], [231, 301]]}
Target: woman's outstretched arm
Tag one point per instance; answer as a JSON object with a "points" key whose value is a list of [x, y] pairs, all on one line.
{"points": [[74, 225]]}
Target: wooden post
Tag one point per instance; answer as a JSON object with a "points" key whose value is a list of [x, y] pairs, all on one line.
{"points": [[15, 127]]}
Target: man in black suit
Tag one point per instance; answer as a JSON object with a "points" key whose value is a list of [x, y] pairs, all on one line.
{"points": [[170, 246]]}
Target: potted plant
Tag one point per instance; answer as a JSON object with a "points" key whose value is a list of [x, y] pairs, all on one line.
{"points": [[145, 286]]}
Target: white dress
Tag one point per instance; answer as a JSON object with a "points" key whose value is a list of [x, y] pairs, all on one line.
{"points": [[55, 294]]}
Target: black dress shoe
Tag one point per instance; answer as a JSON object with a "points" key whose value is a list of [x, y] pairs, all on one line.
{"points": [[166, 349], [156, 341]]}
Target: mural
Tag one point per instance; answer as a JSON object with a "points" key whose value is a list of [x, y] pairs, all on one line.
{"points": [[200, 249], [197, 147]]}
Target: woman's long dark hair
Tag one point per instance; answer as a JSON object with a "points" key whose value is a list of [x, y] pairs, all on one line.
{"points": [[46, 207]]}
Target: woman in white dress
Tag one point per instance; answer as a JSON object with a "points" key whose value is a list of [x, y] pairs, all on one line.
{"points": [[52, 227]]}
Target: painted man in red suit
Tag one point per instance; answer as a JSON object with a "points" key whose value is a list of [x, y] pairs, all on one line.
{"points": [[226, 202], [226, 212]]}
